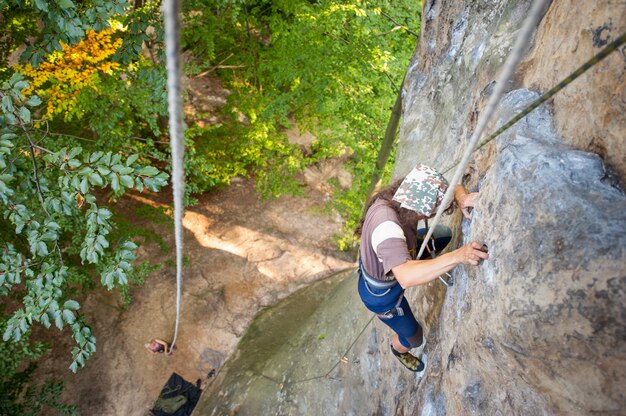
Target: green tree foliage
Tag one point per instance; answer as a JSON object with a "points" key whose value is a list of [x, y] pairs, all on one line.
{"points": [[332, 67], [56, 223], [57, 173]]}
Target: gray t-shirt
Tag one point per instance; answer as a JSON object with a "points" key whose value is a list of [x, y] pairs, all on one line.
{"points": [[385, 244]]}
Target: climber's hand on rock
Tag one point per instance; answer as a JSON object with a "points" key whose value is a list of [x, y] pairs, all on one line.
{"points": [[465, 202], [472, 253]]}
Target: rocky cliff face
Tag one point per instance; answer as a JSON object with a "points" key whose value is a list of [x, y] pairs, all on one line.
{"points": [[540, 327]]}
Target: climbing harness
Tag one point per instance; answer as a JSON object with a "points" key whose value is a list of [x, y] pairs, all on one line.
{"points": [[514, 57], [395, 311], [375, 283], [171, 11], [606, 51], [380, 284]]}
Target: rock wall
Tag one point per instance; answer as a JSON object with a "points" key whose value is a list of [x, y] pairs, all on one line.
{"points": [[540, 327]]}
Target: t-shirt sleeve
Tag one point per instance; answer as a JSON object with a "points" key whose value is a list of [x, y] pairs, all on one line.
{"points": [[389, 244]]}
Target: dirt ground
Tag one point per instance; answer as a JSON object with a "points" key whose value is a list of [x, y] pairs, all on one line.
{"points": [[243, 254]]}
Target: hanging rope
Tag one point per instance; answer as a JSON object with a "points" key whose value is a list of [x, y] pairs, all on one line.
{"points": [[608, 49], [523, 39], [171, 11]]}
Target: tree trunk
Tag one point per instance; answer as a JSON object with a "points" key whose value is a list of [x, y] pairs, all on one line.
{"points": [[387, 144]]}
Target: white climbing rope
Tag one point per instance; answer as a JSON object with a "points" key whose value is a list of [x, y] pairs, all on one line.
{"points": [[171, 11], [522, 41]]}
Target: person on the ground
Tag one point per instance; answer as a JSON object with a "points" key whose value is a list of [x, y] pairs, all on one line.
{"points": [[156, 346], [389, 244]]}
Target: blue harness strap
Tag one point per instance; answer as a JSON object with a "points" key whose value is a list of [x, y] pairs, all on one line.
{"points": [[375, 283]]}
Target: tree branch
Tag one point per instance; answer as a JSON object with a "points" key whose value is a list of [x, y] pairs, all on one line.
{"points": [[91, 140], [67, 135], [399, 24], [35, 170]]}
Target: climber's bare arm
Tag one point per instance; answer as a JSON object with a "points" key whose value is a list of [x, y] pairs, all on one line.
{"points": [[464, 199], [418, 272], [164, 344]]}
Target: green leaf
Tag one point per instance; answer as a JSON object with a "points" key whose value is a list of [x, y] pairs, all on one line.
{"points": [[84, 186], [103, 170], [85, 171], [11, 120], [131, 159], [151, 185], [8, 136], [7, 334], [75, 151], [107, 280], [24, 114], [53, 226], [68, 316], [127, 181], [23, 325], [129, 245], [103, 241], [96, 179], [33, 101], [42, 249], [121, 276], [49, 237], [7, 104], [74, 163], [95, 157], [117, 168], [71, 305], [67, 4], [58, 319], [148, 171], [115, 182]]}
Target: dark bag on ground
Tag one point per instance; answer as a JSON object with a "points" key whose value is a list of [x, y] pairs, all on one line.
{"points": [[178, 398]]}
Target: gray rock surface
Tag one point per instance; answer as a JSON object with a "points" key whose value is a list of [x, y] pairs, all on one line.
{"points": [[540, 327]]}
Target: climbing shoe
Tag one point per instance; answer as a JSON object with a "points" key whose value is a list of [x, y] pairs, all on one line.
{"points": [[409, 360]]}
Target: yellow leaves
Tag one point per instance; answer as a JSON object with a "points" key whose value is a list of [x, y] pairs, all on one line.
{"points": [[64, 73], [335, 8]]}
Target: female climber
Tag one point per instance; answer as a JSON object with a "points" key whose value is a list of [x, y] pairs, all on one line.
{"points": [[389, 242]]}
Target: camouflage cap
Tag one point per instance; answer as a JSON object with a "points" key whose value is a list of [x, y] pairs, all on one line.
{"points": [[422, 190]]}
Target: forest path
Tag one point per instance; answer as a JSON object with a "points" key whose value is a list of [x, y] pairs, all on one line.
{"points": [[243, 254]]}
